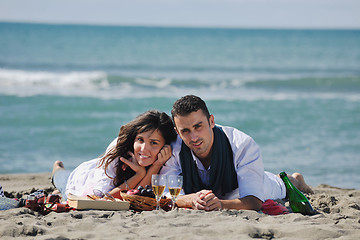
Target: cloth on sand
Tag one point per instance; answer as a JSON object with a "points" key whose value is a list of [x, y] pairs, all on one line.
{"points": [[7, 203], [1, 192], [271, 207]]}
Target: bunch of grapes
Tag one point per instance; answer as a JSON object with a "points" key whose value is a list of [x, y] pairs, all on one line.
{"points": [[146, 192], [142, 191]]}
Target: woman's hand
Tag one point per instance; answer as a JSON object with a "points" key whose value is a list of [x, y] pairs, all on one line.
{"points": [[134, 180], [132, 163], [163, 156]]}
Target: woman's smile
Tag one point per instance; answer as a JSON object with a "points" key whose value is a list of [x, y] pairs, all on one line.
{"points": [[147, 146]]}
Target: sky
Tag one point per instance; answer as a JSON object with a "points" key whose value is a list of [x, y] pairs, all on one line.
{"points": [[188, 13]]}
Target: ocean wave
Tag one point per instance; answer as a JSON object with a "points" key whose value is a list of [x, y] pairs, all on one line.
{"points": [[20, 78], [183, 68], [98, 84], [333, 84]]}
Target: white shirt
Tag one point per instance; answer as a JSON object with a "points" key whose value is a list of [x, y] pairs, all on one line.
{"points": [[87, 176], [252, 180]]}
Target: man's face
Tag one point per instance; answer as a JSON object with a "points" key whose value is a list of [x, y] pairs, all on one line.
{"points": [[196, 132]]}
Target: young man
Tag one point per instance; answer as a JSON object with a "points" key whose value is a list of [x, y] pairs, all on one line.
{"points": [[221, 166]]}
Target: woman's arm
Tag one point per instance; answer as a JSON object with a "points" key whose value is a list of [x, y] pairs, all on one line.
{"points": [[132, 182], [128, 184]]}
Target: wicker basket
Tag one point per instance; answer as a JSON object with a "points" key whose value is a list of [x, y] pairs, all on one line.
{"points": [[141, 203]]}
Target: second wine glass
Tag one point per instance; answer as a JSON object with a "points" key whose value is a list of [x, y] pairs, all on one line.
{"points": [[174, 183]]}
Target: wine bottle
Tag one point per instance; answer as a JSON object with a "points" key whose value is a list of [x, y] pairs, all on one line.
{"points": [[298, 202]]}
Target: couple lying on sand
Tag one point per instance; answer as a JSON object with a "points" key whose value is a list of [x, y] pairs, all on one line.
{"points": [[221, 166]]}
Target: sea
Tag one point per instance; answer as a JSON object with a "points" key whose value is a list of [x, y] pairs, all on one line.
{"points": [[65, 90]]}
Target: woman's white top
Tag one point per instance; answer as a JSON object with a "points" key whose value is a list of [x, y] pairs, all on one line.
{"points": [[88, 176]]}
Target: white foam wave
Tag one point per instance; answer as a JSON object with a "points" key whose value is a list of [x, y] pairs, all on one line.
{"points": [[154, 83], [95, 84], [36, 82]]}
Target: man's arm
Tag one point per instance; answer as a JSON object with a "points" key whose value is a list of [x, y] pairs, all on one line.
{"points": [[249, 168], [206, 200], [245, 203], [186, 201]]}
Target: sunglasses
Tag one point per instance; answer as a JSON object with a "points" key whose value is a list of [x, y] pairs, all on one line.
{"points": [[100, 194]]}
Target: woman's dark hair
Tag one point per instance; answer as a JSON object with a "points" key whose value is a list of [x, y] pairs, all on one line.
{"points": [[148, 121]]}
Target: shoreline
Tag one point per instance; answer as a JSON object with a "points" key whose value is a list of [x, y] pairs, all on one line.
{"points": [[339, 216]]}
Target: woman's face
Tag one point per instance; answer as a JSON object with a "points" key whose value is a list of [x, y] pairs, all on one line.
{"points": [[147, 145]]}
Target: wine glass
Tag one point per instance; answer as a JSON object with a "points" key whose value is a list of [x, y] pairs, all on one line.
{"points": [[175, 183], [158, 183]]}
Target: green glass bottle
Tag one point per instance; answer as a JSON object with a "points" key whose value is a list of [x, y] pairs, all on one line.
{"points": [[298, 202]]}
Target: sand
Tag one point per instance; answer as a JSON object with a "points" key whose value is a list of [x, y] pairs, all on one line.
{"points": [[339, 217]]}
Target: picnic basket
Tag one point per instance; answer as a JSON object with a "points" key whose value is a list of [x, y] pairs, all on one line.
{"points": [[141, 203]]}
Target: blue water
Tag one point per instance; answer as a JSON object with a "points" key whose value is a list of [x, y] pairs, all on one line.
{"points": [[65, 90]]}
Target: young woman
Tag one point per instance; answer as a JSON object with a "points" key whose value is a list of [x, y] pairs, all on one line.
{"points": [[139, 151]]}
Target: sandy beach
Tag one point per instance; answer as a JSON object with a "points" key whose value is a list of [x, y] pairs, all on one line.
{"points": [[339, 217]]}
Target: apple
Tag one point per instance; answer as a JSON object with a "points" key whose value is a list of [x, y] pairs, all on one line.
{"points": [[133, 192]]}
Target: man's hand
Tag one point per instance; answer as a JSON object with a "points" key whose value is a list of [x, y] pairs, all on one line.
{"points": [[163, 156], [206, 200]]}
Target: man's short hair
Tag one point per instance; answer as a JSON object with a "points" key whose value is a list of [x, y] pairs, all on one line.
{"points": [[188, 104]]}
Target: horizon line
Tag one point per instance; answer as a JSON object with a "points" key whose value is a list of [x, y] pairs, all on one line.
{"points": [[180, 26]]}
